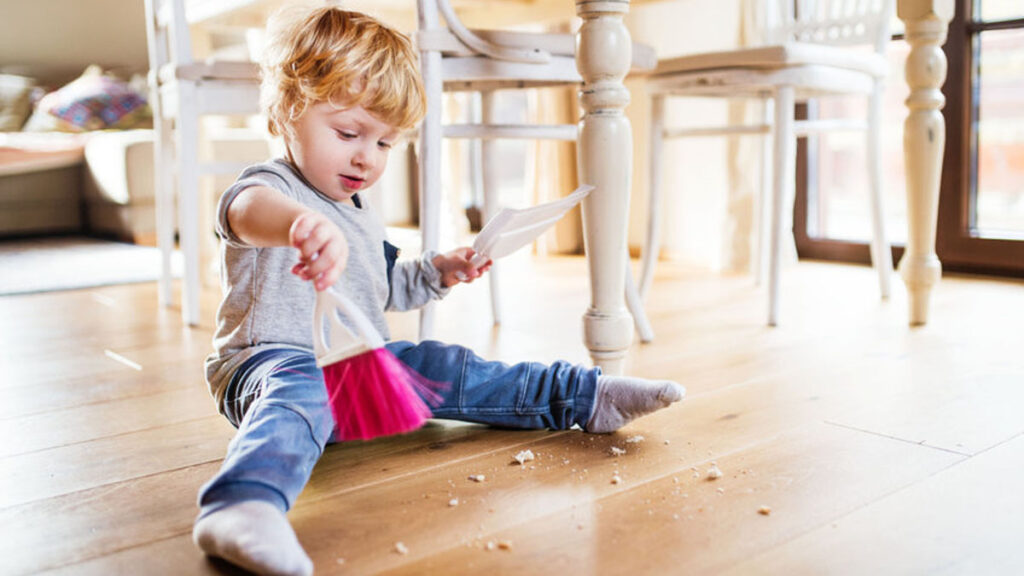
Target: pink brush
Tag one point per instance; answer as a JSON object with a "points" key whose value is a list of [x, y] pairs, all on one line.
{"points": [[371, 392]]}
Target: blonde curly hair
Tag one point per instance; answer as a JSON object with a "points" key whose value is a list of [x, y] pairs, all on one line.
{"points": [[346, 58]]}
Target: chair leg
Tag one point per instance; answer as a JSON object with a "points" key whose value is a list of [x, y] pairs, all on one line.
{"points": [[761, 209], [163, 181], [881, 254], [430, 171], [653, 243], [783, 166], [188, 201], [636, 307], [490, 161], [476, 162]]}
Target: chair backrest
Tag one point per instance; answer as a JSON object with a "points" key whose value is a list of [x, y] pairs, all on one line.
{"points": [[167, 34], [432, 34], [834, 22]]}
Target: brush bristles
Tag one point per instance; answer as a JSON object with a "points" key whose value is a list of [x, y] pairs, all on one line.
{"points": [[375, 394]]}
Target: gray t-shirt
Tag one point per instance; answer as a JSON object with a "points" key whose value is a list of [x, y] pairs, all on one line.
{"points": [[265, 306]]}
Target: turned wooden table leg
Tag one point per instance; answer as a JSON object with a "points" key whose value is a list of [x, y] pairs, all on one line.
{"points": [[924, 139], [604, 159]]}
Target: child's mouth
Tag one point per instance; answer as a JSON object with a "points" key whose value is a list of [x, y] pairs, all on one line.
{"points": [[352, 182]]}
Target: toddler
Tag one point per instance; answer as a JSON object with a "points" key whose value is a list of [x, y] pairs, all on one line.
{"points": [[341, 88]]}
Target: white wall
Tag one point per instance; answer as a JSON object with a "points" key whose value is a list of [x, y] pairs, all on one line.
{"points": [[695, 179], [54, 40]]}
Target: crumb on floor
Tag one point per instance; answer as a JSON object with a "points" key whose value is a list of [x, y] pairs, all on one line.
{"points": [[524, 456], [714, 473]]}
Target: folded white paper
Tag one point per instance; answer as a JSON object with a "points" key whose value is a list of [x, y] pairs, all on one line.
{"points": [[513, 228]]}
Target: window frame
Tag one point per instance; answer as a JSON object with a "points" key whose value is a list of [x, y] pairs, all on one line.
{"points": [[960, 248]]}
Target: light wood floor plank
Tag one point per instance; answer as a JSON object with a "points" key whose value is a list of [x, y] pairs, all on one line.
{"points": [[966, 519], [76, 467], [682, 523], [84, 360], [91, 524], [172, 556], [57, 428], [64, 393]]}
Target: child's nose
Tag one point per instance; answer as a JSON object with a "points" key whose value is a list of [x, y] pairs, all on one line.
{"points": [[363, 157]]}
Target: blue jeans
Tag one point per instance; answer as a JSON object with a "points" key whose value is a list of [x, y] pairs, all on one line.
{"points": [[278, 402]]}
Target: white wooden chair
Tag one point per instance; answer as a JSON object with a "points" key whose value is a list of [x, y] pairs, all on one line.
{"points": [[182, 90], [453, 58], [810, 52]]}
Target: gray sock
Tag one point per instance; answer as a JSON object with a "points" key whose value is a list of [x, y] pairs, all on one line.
{"points": [[621, 399], [255, 535]]}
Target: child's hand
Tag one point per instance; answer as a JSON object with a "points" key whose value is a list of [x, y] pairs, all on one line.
{"points": [[455, 267], [323, 250]]}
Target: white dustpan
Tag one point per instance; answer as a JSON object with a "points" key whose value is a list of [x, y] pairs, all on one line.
{"points": [[513, 228]]}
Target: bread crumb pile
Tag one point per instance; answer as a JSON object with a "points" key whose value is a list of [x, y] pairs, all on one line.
{"points": [[524, 456], [714, 473]]}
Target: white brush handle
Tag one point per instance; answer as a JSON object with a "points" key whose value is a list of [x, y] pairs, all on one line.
{"points": [[477, 261], [339, 342]]}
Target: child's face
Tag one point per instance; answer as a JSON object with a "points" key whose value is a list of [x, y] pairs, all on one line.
{"points": [[340, 152]]}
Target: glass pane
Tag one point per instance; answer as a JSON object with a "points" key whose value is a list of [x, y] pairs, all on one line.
{"points": [[1001, 9], [843, 208], [1000, 192]]}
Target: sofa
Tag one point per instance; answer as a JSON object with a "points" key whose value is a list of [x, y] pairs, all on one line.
{"points": [[40, 184], [100, 184], [79, 160]]}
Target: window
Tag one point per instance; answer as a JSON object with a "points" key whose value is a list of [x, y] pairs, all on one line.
{"points": [[981, 207]]}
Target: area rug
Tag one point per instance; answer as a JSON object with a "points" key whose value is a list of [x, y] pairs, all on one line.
{"points": [[69, 263]]}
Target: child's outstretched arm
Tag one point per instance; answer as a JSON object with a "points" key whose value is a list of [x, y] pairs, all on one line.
{"points": [[264, 217], [416, 282]]}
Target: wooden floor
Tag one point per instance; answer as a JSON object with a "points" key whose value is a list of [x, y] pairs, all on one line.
{"points": [[878, 448]]}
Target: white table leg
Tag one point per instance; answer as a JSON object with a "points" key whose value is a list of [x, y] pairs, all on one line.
{"points": [[604, 159], [924, 139]]}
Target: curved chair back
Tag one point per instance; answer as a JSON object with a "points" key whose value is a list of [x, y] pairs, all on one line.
{"points": [[833, 22]]}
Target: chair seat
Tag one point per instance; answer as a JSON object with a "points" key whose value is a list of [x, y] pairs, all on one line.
{"points": [[644, 57], [483, 73], [465, 70], [211, 70], [785, 55], [808, 81]]}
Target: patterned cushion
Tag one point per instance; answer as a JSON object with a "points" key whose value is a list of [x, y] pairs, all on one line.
{"points": [[95, 101]]}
